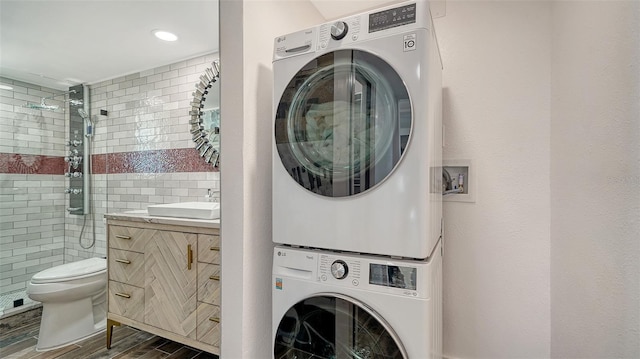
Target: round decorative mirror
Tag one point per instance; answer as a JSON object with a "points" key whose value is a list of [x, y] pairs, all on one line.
{"points": [[205, 115]]}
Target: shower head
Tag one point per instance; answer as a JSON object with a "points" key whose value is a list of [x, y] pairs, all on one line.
{"points": [[83, 114], [34, 106], [41, 106], [87, 121]]}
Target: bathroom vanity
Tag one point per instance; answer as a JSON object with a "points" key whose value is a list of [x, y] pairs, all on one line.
{"points": [[164, 277]]}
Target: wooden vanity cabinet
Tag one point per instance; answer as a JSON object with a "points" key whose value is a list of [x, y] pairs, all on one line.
{"points": [[165, 279], [208, 312]]}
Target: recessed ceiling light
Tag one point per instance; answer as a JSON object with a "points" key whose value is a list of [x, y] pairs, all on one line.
{"points": [[165, 35], [5, 87]]}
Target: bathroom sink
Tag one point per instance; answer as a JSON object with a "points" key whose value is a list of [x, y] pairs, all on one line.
{"points": [[195, 210]]}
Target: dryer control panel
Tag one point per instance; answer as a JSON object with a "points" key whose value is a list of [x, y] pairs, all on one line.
{"points": [[389, 18], [389, 274], [395, 19], [401, 277], [356, 271], [393, 276]]}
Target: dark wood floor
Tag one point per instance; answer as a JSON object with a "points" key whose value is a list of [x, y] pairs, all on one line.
{"points": [[19, 334]]}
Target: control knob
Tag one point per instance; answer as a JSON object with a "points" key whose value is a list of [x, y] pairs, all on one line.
{"points": [[73, 174], [339, 269], [339, 30]]}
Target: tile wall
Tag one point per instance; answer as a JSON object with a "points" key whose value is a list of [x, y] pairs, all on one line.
{"points": [[142, 150], [142, 154], [32, 199]]}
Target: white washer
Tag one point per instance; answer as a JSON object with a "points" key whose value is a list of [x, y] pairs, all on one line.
{"points": [[358, 135], [336, 305]]}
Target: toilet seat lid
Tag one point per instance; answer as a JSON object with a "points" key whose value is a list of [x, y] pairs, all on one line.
{"points": [[69, 271]]}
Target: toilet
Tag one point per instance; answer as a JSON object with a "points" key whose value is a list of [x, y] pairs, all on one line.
{"points": [[73, 297]]}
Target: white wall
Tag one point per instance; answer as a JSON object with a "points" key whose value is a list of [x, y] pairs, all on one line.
{"points": [[595, 174], [247, 30], [497, 113], [544, 98], [545, 262]]}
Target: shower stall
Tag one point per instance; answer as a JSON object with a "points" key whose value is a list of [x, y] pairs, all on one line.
{"points": [[44, 184], [53, 199]]}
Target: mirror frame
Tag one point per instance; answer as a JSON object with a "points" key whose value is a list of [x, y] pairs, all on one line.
{"points": [[199, 135]]}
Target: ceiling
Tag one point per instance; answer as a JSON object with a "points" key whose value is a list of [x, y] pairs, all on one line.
{"points": [[63, 43]]}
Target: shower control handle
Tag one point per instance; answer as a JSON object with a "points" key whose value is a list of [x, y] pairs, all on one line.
{"points": [[73, 174], [73, 159]]}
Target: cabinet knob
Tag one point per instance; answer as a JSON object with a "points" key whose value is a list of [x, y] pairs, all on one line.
{"points": [[125, 261], [215, 248], [123, 295], [215, 319], [122, 237], [215, 277]]}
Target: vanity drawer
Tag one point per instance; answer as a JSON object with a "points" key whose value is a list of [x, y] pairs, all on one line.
{"points": [[209, 283], [126, 300], [126, 267], [208, 330], [129, 238], [209, 248]]}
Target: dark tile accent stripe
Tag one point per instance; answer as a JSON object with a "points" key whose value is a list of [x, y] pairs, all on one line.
{"points": [[157, 161], [17, 163]]}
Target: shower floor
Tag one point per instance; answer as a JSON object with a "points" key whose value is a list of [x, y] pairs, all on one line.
{"points": [[7, 303]]}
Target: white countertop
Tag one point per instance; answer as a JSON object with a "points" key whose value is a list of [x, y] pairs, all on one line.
{"points": [[143, 216]]}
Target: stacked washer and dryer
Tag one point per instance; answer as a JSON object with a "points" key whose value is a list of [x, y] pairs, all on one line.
{"points": [[357, 188]]}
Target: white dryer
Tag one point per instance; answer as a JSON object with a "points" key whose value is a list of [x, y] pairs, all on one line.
{"points": [[336, 305], [357, 134]]}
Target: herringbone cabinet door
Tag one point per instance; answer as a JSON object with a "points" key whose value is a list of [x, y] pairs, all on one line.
{"points": [[170, 286]]}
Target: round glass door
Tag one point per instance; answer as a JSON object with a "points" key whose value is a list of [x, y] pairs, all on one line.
{"points": [[343, 123], [334, 327]]}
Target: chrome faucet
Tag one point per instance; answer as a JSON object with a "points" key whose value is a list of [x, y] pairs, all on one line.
{"points": [[211, 195]]}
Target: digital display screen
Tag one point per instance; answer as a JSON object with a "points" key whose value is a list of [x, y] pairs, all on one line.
{"points": [[391, 18], [392, 276]]}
